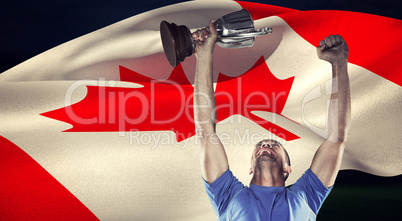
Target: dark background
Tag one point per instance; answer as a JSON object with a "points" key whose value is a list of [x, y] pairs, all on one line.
{"points": [[31, 27]]}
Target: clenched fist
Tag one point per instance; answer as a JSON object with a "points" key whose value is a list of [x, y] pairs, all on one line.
{"points": [[333, 49]]}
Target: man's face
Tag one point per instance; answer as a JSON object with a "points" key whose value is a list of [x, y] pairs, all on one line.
{"points": [[268, 150]]}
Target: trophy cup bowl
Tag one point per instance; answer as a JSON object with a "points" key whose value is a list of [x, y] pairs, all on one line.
{"points": [[235, 30]]}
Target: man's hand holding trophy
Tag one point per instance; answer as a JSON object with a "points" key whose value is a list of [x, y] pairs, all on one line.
{"points": [[235, 30]]}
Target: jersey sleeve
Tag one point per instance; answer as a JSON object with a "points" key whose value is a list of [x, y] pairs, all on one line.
{"points": [[311, 189], [222, 190]]}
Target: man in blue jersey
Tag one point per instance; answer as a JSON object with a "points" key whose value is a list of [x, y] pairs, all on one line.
{"points": [[267, 198]]}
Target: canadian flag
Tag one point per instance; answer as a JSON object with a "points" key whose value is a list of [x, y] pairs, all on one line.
{"points": [[101, 127]]}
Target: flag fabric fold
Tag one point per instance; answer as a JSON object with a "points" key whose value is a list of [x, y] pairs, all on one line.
{"points": [[103, 124]]}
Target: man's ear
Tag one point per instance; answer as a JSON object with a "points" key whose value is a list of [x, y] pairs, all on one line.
{"points": [[251, 171], [286, 171]]}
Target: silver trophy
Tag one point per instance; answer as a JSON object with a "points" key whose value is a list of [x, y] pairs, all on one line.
{"points": [[235, 30]]}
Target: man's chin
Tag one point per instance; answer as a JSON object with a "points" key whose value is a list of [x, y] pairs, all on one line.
{"points": [[265, 157]]}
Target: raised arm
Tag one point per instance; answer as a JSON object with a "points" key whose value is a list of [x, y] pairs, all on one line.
{"points": [[212, 154], [328, 158]]}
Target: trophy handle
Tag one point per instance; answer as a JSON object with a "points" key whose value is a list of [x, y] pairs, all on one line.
{"points": [[250, 34]]}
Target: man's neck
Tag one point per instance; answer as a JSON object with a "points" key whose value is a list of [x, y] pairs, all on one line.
{"points": [[268, 177]]}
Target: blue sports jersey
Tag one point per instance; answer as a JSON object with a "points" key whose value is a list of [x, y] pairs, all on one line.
{"points": [[231, 200]]}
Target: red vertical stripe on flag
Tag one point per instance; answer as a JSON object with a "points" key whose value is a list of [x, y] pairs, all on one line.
{"points": [[29, 192], [374, 41]]}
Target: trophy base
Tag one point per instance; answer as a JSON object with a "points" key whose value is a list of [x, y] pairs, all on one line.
{"points": [[177, 42]]}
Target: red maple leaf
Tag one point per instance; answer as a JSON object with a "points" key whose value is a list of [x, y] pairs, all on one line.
{"points": [[256, 90], [168, 105]]}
